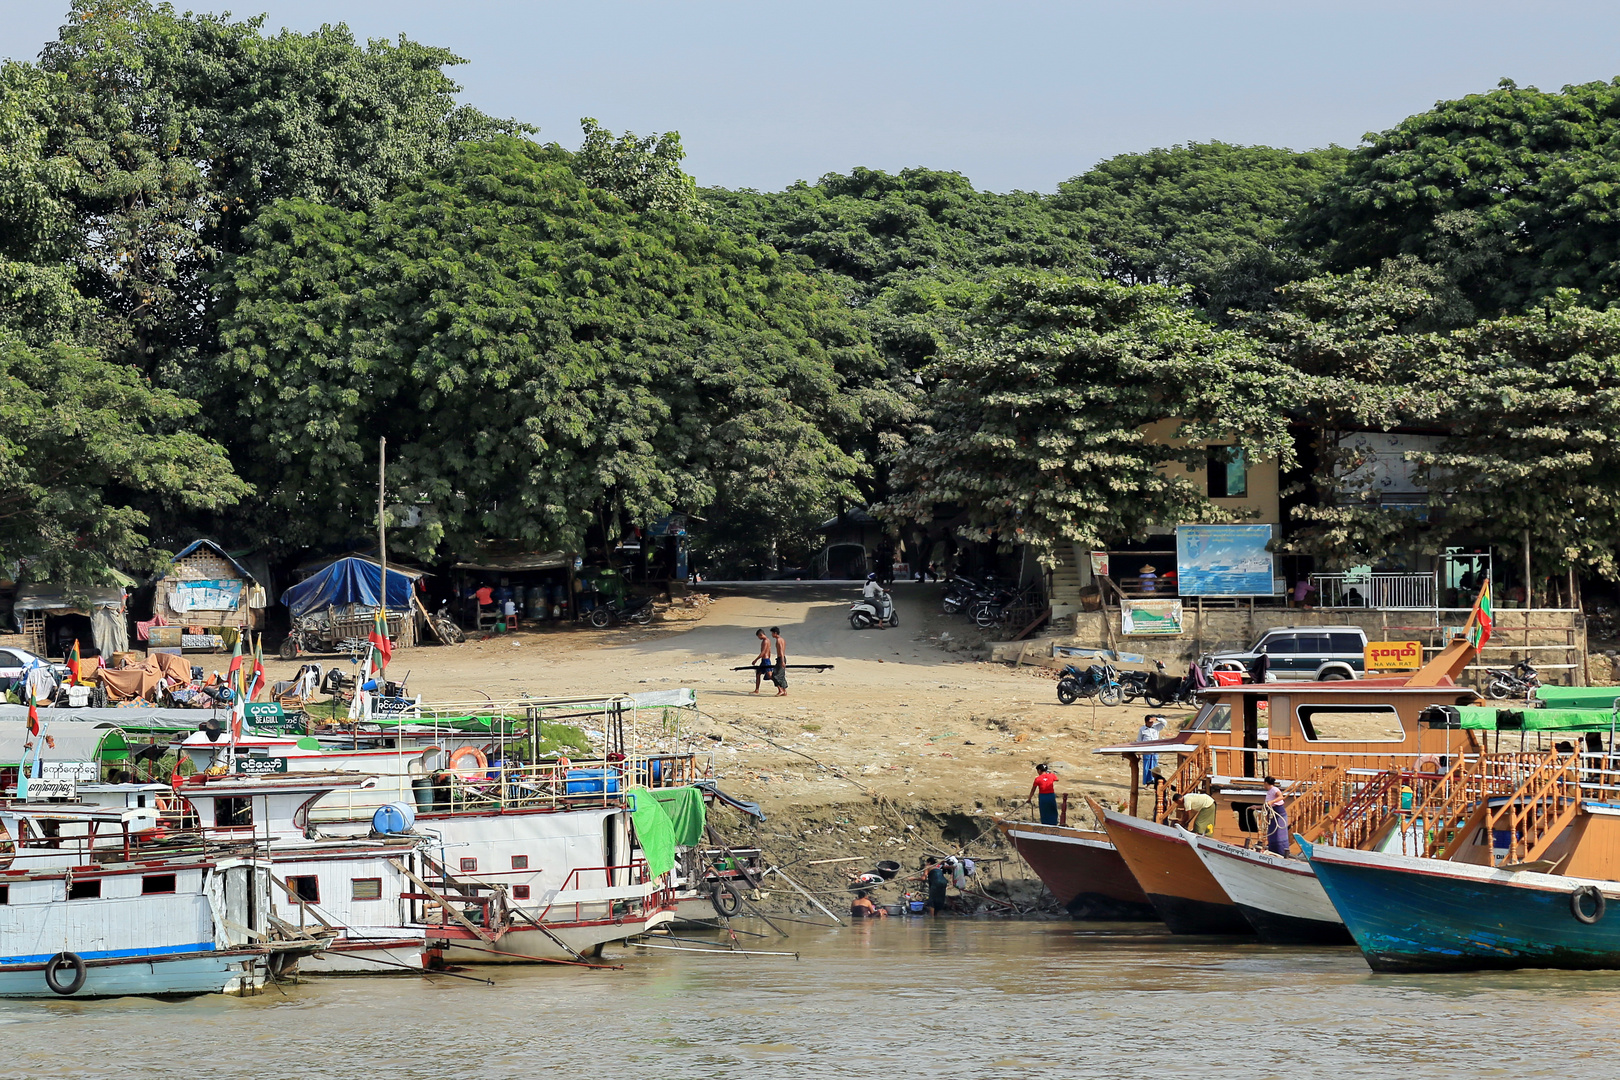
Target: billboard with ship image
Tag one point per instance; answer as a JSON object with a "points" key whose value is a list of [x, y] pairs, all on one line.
{"points": [[1224, 560]]}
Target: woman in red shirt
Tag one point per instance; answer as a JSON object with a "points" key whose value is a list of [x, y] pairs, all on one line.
{"points": [[1046, 784]]}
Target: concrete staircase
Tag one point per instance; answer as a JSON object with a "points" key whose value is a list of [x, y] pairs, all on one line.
{"points": [[1066, 582]]}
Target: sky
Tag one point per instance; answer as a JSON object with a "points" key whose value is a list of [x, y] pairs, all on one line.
{"points": [[1016, 95]]}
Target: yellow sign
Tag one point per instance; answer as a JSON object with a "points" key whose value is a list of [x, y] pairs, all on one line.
{"points": [[1393, 655]]}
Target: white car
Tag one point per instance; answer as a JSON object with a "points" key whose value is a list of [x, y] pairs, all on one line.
{"points": [[14, 662]]}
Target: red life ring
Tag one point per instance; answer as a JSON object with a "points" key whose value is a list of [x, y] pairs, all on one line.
{"points": [[467, 760]]}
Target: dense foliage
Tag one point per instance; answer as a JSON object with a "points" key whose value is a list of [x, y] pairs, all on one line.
{"points": [[1038, 427], [540, 356]]}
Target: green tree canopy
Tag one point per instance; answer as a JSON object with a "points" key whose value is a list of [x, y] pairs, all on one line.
{"points": [[78, 437], [644, 172], [169, 132], [1511, 193], [540, 357], [1036, 428], [1214, 217]]}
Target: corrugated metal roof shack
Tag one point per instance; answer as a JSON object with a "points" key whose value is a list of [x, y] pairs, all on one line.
{"points": [[206, 587]]}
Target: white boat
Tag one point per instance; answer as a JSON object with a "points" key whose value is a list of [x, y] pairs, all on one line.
{"points": [[85, 912], [546, 881], [1280, 897]]}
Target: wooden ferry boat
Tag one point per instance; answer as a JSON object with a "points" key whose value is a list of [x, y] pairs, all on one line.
{"points": [[1081, 868]]}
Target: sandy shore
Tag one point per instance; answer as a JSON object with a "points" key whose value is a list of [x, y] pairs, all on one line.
{"points": [[906, 747]]}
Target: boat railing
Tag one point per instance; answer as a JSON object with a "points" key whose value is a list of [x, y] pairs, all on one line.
{"points": [[1448, 803], [1537, 809], [1190, 775], [1366, 811], [550, 785], [1312, 800]]}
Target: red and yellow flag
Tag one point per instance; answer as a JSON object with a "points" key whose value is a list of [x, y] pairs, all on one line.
{"points": [[379, 640], [33, 717], [75, 665]]}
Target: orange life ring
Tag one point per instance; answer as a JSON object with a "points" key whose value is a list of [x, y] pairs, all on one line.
{"points": [[460, 758]]}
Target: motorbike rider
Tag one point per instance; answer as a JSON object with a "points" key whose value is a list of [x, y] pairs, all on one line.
{"points": [[873, 594]]}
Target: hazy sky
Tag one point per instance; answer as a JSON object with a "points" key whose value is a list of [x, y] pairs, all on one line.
{"points": [[1015, 95]]}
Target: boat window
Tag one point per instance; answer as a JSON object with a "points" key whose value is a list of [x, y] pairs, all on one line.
{"points": [[5, 894], [365, 888], [520, 862], [1247, 816], [304, 888], [157, 883], [85, 890], [469, 866], [520, 892], [1212, 718], [1351, 723], [232, 813]]}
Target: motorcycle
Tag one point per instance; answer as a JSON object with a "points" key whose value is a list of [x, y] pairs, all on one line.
{"points": [[1100, 681], [445, 625], [1518, 681], [1133, 684], [1162, 690], [878, 611], [959, 593], [639, 612]]}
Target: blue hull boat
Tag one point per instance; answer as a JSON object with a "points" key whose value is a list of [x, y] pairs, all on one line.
{"points": [[1425, 915]]}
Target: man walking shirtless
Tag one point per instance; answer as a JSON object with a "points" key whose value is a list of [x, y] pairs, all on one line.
{"points": [[762, 662], [779, 674]]}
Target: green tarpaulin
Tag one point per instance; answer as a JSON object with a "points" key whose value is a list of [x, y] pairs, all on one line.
{"points": [[654, 831], [1479, 718], [684, 805], [1578, 697]]}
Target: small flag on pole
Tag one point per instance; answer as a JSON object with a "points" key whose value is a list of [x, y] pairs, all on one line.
{"points": [[379, 640], [1483, 619], [75, 665], [33, 717]]}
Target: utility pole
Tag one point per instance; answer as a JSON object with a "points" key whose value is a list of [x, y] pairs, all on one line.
{"points": [[382, 528]]}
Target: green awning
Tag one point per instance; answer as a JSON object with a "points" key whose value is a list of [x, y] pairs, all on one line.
{"points": [[654, 831], [1578, 697], [684, 805], [1482, 718]]}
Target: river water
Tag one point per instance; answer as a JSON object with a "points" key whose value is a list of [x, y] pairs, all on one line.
{"points": [[966, 998]]}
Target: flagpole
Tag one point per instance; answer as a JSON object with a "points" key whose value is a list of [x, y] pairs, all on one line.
{"points": [[382, 529]]}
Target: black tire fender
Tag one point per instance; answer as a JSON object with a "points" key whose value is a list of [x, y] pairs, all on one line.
{"points": [[725, 899], [61, 960], [1599, 904]]}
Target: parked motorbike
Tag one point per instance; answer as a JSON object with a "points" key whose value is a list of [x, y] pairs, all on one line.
{"points": [[1163, 690], [1100, 681], [1518, 681], [449, 631], [878, 611], [1133, 684], [612, 611], [959, 593]]}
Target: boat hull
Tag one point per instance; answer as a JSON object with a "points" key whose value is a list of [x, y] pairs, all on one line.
{"points": [[1181, 889], [1425, 915], [1280, 898], [151, 975], [1082, 869], [524, 944]]}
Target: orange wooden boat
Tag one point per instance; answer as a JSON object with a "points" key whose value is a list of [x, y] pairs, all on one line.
{"points": [[1081, 869], [1178, 884]]}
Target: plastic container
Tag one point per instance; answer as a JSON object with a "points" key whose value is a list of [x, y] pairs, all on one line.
{"points": [[393, 818], [591, 782], [888, 868], [536, 602], [917, 906], [422, 792]]}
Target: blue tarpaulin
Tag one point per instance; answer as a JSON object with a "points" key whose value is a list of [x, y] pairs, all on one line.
{"points": [[349, 581]]}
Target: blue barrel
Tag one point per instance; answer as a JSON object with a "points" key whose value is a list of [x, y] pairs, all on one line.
{"points": [[395, 817], [592, 782]]}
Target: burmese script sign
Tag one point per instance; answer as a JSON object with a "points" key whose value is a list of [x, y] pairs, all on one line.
{"points": [[1393, 655]]}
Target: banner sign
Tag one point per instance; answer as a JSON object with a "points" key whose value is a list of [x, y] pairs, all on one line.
{"points": [[263, 710], [83, 772], [1099, 564], [1224, 560], [218, 595], [40, 788], [1150, 618], [1393, 655], [259, 766]]}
